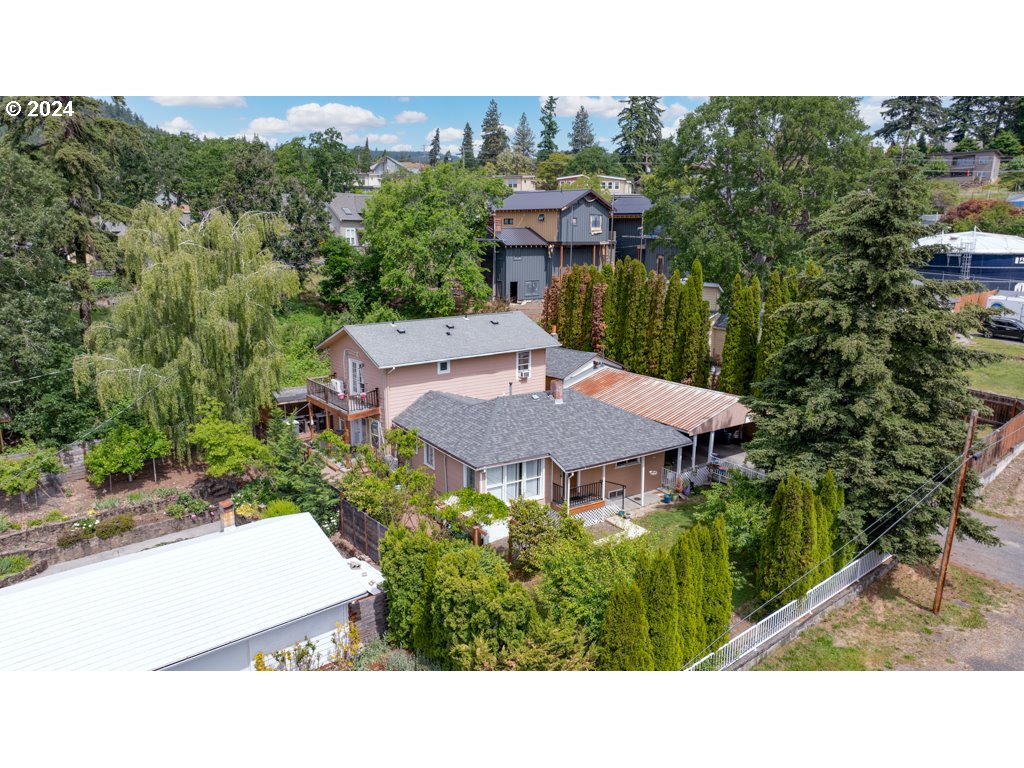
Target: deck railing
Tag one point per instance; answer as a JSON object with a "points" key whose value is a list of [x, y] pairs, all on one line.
{"points": [[589, 493], [362, 401]]}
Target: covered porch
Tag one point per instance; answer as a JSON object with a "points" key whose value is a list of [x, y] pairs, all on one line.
{"points": [[615, 487], [350, 415]]}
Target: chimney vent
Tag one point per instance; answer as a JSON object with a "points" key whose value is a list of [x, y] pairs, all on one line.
{"points": [[556, 391], [227, 514]]}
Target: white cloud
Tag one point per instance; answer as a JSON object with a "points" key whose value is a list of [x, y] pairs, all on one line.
{"points": [[374, 138], [317, 117], [181, 125], [596, 106], [447, 134], [671, 118], [871, 111], [410, 116], [404, 98], [199, 101], [402, 147]]}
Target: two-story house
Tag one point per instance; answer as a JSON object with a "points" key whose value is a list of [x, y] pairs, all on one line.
{"points": [[616, 185], [981, 167], [346, 211], [379, 369], [536, 235]]}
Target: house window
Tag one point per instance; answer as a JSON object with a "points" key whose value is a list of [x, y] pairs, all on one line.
{"points": [[512, 481], [350, 236], [443, 367], [507, 222], [540, 217], [596, 223], [523, 364], [428, 455], [630, 463], [468, 477]]}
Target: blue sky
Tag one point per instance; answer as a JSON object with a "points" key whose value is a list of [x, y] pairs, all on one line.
{"points": [[397, 123]]}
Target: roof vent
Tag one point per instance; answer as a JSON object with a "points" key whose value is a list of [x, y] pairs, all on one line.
{"points": [[449, 326], [494, 322], [400, 330], [447, 333]]}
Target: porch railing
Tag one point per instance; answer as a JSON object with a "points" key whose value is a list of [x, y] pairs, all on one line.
{"points": [[362, 401], [589, 493]]}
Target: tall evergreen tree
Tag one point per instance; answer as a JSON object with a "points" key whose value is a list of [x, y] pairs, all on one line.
{"points": [[639, 134], [739, 353], [656, 578], [773, 336], [872, 383], [523, 141], [908, 116], [827, 495], [788, 536], [468, 160], [582, 135], [657, 286], [718, 585], [702, 339], [625, 641], [633, 305], [435, 147], [670, 325], [687, 365], [548, 129], [495, 140], [689, 587]]}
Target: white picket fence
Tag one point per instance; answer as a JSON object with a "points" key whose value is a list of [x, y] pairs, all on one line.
{"points": [[765, 630], [706, 474]]}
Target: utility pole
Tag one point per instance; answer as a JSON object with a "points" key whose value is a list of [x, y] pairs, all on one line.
{"points": [[956, 511]]}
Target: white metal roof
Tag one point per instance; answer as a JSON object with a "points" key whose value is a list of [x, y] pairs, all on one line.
{"points": [[154, 608], [977, 242]]}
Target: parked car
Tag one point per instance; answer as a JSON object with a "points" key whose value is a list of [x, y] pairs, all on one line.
{"points": [[1004, 327]]}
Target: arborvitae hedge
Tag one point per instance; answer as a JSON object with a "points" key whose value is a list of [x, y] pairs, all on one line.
{"points": [[718, 585], [625, 642], [656, 577]]}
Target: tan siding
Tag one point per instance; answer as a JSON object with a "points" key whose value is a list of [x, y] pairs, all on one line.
{"points": [[481, 377], [548, 229]]}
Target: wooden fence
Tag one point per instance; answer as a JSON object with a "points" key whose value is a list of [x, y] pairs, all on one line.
{"points": [[999, 444], [1003, 407], [361, 530]]}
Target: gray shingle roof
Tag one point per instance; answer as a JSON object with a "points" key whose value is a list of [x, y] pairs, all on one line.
{"points": [[513, 236], [408, 342], [347, 200], [290, 395], [630, 205], [580, 432], [561, 361], [546, 200]]}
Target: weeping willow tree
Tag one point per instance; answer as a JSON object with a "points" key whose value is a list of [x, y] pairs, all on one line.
{"points": [[198, 324]]}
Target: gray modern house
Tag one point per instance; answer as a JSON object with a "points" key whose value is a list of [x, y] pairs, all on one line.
{"points": [[535, 235], [346, 210]]}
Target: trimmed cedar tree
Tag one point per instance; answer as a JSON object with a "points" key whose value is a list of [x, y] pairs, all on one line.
{"points": [[789, 542], [718, 589], [625, 642], [701, 340], [673, 300], [773, 337], [690, 586], [656, 577]]}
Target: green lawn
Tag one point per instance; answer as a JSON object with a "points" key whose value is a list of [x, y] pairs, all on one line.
{"points": [[998, 346], [665, 525], [1005, 377]]}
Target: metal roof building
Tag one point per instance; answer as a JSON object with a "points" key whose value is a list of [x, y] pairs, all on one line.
{"points": [[209, 603], [692, 410]]}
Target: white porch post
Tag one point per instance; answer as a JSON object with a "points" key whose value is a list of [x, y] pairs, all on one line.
{"points": [[643, 477], [693, 451], [679, 459], [711, 444], [565, 491], [604, 469]]}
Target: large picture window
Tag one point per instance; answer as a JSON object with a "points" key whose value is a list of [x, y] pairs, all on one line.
{"points": [[512, 481]]}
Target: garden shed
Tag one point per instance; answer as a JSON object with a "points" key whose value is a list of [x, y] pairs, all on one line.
{"points": [[210, 603]]}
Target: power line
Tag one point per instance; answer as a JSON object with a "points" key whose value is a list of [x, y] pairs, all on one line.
{"points": [[30, 378]]}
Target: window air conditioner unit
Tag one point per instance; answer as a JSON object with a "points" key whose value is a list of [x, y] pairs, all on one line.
{"points": [[524, 374], [337, 386]]}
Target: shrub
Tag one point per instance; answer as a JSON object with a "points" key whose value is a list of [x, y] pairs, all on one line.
{"points": [[281, 507], [12, 564], [71, 537], [187, 504], [398, 660], [113, 526], [7, 525], [35, 522], [625, 642], [54, 517], [248, 511]]}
